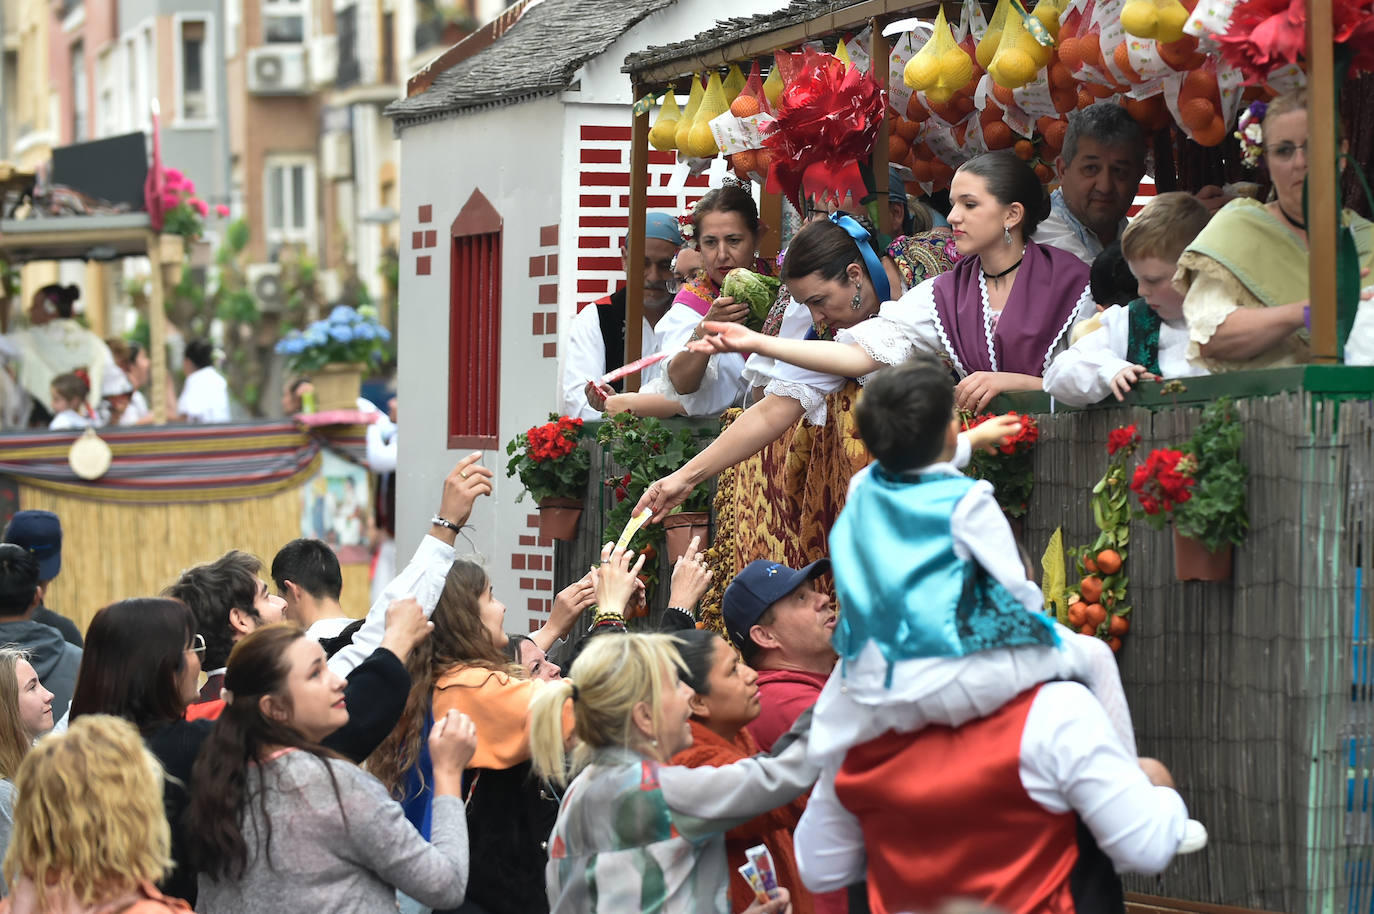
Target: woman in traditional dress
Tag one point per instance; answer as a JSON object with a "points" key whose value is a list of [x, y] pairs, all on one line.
{"points": [[1246, 273], [55, 343], [996, 319]]}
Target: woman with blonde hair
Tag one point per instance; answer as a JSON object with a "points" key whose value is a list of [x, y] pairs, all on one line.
{"points": [[463, 667], [89, 832], [25, 715], [634, 832]]}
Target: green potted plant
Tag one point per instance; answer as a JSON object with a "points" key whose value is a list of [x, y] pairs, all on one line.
{"points": [[1200, 488], [652, 450], [553, 468], [335, 352]]}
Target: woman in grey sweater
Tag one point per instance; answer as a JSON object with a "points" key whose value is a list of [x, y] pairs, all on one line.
{"points": [[278, 823]]}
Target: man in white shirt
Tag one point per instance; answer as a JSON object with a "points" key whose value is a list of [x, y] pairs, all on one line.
{"points": [[205, 394], [307, 574], [1100, 169], [596, 336]]}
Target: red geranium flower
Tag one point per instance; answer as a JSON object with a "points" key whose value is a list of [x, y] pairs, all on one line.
{"points": [[1125, 437]]}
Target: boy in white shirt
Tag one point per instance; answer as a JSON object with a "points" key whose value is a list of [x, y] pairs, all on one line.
{"points": [[1147, 339]]}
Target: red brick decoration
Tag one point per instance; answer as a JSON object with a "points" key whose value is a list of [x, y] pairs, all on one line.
{"points": [[422, 266], [425, 213]]}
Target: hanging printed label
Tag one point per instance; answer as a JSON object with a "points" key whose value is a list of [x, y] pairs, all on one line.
{"points": [[1210, 17], [903, 49], [860, 49], [971, 19], [1034, 97], [736, 134]]}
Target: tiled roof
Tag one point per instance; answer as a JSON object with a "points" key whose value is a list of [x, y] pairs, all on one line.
{"points": [[537, 56]]}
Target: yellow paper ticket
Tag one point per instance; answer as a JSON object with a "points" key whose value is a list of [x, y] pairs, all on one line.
{"points": [[632, 528]]}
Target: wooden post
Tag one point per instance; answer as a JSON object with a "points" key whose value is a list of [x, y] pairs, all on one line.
{"points": [[157, 332], [634, 243], [878, 50], [1323, 204]]}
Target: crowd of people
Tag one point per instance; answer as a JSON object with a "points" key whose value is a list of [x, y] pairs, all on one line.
{"points": [[58, 374]]}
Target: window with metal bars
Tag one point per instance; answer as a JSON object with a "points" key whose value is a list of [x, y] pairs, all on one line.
{"points": [[474, 326]]}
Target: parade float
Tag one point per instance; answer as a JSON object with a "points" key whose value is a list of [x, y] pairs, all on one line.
{"points": [[1251, 681]]}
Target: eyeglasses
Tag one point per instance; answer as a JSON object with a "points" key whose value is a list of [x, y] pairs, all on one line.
{"points": [[1284, 152], [197, 644]]}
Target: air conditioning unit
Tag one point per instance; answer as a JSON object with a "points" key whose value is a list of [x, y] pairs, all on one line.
{"points": [[277, 70], [324, 61], [264, 284], [336, 156]]}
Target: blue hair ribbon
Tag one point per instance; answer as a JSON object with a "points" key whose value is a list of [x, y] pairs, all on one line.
{"points": [[876, 274]]}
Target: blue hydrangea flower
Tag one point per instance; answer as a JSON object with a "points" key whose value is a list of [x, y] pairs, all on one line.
{"points": [[341, 334], [342, 314]]}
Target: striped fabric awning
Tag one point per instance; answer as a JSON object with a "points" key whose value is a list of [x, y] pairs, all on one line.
{"points": [[170, 464]]}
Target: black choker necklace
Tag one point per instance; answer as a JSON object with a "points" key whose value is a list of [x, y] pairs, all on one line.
{"points": [[1291, 221], [987, 275]]}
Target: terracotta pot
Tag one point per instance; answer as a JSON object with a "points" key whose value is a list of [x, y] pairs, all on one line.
{"points": [[337, 386], [1192, 561], [679, 529], [558, 517]]}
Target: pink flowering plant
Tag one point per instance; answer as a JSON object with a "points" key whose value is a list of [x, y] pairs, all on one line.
{"points": [[183, 213]]}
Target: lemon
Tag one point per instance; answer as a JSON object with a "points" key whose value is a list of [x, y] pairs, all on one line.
{"points": [[701, 142], [1048, 15], [1014, 68], [955, 68], [1172, 18], [922, 71], [939, 94], [1141, 18], [987, 47], [664, 134]]}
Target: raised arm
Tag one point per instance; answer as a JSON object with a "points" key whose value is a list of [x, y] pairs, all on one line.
{"points": [[758, 426], [1250, 332], [847, 360]]}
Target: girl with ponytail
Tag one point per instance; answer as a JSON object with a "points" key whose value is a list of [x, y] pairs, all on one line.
{"points": [[279, 823], [628, 813]]}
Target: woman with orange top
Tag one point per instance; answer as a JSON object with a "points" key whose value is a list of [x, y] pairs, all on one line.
{"points": [[463, 667], [725, 698]]}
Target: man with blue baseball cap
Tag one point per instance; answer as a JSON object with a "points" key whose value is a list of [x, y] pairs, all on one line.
{"points": [[596, 336], [782, 626], [40, 533]]}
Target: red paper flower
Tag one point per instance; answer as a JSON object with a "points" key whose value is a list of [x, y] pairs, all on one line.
{"points": [[1124, 437], [1264, 35], [827, 122]]}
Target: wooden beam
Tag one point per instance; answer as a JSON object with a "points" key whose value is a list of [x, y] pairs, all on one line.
{"points": [[787, 36], [879, 49], [1323, 208], [634, 244]]}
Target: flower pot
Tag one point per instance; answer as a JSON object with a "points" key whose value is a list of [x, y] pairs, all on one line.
{"points": [[1192, 561], [337, 386], [679, 529], [558, 517], [171, 248]]}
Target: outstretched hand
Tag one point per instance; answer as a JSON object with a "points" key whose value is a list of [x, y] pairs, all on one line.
{"points": [[464, 484], [725, 337], [993, 433], [691, 578], [616, 579], [663, 496]]}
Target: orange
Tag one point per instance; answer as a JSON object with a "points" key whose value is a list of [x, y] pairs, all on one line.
{"points": [[1211, 135], [1119, 625], [922, 171], [906, 129], [1065, 100], [1199, 84], [745, 106], [1085, 98], [1087, 629], [1109, 561], [964, 105], [1196, 113], [897, 148], [745, 161], [1115, 644], [1091, 588], [1025, 149], [1095, 613], [1099, 91], [1054, 133], [1090, 49], [1077, 616], [991, 114], [1069, 55], [1044, 172], [1060, 77], [1003, 95], [916, 111], [997, 135], [1181, 55], [1121, 56]]}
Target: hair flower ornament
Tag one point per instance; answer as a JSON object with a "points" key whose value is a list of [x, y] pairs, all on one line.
{"points": [[1251, 134]]}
